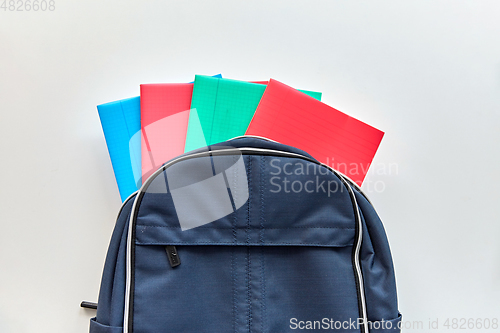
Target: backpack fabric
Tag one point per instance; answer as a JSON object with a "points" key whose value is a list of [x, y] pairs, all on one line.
{"points": [[247, 236]]}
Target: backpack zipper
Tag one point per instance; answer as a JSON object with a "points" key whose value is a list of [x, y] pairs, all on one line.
{"points": [[173, 256]]}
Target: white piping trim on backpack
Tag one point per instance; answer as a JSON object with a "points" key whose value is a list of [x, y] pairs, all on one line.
{"points": [[128, 267], [215, 152], [125, 202], [358, 244], [358, 265], [253, 137]]}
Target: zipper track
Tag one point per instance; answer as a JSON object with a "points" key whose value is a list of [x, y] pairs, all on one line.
{"points": [[348, 183], [125, 202]]}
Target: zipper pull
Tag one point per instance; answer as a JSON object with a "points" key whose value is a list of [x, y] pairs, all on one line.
{"points": [[173, 256]]}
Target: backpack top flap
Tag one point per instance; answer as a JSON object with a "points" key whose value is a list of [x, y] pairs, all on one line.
{"points": [[245, 192]]}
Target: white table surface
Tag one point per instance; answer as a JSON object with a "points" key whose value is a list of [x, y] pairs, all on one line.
{"points": [[425, 72]]}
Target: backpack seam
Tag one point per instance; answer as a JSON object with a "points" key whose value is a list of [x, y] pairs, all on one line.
{"points": [[246, 227], [262, 220]]}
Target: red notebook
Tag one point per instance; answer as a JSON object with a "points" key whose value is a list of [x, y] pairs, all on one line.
{"points": [[164, 121], [293, 118]]}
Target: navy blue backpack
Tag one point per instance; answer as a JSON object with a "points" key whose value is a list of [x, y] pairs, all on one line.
{"points": [[247, 236]]}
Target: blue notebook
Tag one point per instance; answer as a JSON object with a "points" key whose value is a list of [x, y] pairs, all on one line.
{"points": [[121, 124]]}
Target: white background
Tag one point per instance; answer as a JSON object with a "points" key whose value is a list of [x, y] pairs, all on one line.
{"points": [[425, 72]]}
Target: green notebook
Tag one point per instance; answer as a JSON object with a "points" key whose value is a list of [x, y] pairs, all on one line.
{"points": [[222, 109]]}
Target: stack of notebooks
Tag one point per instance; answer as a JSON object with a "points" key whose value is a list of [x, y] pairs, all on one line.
{"points": [[168, 119]]}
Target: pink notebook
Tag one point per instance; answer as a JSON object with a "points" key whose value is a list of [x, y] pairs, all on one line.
{"points": [[164, 121], [293, 118]]}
